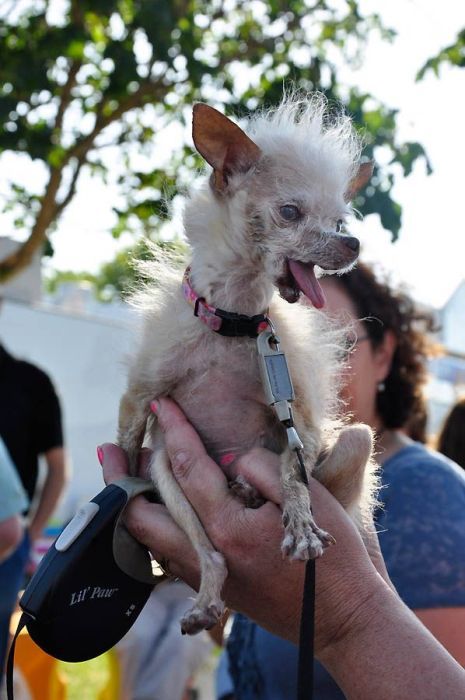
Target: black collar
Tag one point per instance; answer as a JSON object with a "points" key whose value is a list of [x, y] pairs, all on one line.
{"points": [[225, 323]]}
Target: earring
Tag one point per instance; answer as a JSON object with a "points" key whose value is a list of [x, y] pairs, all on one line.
{"points": [[381, 386]]}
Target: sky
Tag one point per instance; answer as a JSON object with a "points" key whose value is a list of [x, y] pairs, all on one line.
{"points": [[428, 257], [430, 254]]}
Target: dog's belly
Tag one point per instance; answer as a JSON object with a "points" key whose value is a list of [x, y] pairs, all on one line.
{"points": [[228, 410]]}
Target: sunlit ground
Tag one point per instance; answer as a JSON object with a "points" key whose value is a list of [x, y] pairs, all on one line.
{"points": [[87, 680]]}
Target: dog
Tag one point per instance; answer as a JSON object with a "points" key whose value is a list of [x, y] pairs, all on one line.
{"points": [[273, 208]]}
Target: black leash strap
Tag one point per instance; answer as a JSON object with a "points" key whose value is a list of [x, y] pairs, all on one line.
{"points": [[11, 655], [307, 618], [307, 633]]}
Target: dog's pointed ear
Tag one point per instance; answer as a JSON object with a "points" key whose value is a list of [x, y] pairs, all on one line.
{"points": [[359, 181], [223, 144]]}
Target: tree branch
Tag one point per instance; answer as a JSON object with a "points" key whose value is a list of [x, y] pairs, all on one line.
{"points": [[22, 257], [72, 188], [66, 94], [50, 209], [137, 99]]}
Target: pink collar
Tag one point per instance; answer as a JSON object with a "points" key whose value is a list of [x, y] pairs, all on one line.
{"points": [[225, 323]]}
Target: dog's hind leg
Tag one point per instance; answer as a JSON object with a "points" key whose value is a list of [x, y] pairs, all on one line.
{"points": [[134, 410], [208, 606], [347, 471]]}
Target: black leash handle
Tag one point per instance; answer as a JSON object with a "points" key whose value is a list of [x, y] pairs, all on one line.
{"points": [[307, 635]]}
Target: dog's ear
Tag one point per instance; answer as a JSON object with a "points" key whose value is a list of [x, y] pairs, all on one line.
{"points": [[223, 144], [359, 181]]}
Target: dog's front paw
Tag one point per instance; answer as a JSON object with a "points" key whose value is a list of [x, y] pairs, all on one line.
{"points": [[303, 539], [201, 618], [246, 493]]}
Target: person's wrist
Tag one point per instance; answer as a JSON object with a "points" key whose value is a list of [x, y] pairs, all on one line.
{"points": [[353, 621]]}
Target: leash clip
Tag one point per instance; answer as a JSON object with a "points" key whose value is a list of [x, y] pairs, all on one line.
{"points": [[274, 371], [279, 391]]}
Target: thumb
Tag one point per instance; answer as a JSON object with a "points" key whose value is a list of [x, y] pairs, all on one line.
{"points": [[114, 462], [199, 476]]}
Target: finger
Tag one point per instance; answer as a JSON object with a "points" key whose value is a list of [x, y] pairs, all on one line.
{"points": [[200, 477], [260, 468], [114, 462], [152, 525]]}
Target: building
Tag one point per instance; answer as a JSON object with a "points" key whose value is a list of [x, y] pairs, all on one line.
{"points": [[81, 344], [448, 371]]}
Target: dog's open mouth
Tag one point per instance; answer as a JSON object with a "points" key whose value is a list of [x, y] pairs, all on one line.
{"points": [[300, 278]]}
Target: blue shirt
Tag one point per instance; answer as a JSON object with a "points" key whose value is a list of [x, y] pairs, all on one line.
{"points": [[13, 499], [421, 527]]}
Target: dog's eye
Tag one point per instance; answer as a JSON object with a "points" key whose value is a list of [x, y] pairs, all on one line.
{"points": [[289, 212], [339, 225]]}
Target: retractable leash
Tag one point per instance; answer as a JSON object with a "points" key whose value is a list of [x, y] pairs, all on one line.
{"points": [[91, 585], [279, 394]]}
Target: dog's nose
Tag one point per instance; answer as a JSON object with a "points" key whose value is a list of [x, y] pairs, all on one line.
{"points": [[352, 243]]}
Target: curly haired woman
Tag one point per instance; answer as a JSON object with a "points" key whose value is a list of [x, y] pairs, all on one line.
{"points": [[421, 522]]}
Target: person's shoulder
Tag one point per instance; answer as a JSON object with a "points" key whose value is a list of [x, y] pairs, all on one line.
{"points": [[422, 526], [418, 458], [29, 370], [422, 468]]}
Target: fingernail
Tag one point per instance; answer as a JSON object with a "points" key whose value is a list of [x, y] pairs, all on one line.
{"points": [[227, 459], [100, 455], [155, 406]]}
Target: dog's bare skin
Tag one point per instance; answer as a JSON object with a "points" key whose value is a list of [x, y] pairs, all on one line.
{"points": [[244, 246]]}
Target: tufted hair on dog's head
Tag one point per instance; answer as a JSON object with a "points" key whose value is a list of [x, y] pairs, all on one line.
{"points": [[308, 129], [278, 197]]}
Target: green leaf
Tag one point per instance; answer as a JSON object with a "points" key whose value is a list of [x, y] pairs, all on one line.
{"points": [[454, 55], [121, 73]]}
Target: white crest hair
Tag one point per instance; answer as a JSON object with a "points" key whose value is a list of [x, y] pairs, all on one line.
{"points": [[313, 127]]}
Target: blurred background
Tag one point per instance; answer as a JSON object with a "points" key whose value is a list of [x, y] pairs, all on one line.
{"points": [[96, 155]]}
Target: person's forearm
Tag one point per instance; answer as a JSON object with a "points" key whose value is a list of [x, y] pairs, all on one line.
{"points": [[404, 659], [367, 638], [447, 625], [51, 492], [11, 532]]}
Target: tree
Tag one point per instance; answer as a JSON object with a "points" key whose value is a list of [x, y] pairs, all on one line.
{"points": [[115, 73], [454, 55], [120, 276]]}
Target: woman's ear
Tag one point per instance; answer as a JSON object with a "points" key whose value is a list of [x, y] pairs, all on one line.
{"points": [[383, 355]]}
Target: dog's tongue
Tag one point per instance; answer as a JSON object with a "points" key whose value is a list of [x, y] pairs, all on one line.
{"points": [[304, 275]]}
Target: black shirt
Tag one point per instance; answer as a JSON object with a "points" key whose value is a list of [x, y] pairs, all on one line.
{"points": [[30, 416]]}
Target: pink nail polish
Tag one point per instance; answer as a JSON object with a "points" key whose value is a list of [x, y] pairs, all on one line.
{"points": [[226, 459], [100, 455]]}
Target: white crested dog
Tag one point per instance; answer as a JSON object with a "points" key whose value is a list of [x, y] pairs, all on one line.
{"points": [[273, 208]]}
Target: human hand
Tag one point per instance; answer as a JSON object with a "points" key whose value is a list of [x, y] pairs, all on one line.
{"points": [[260, 582]]}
